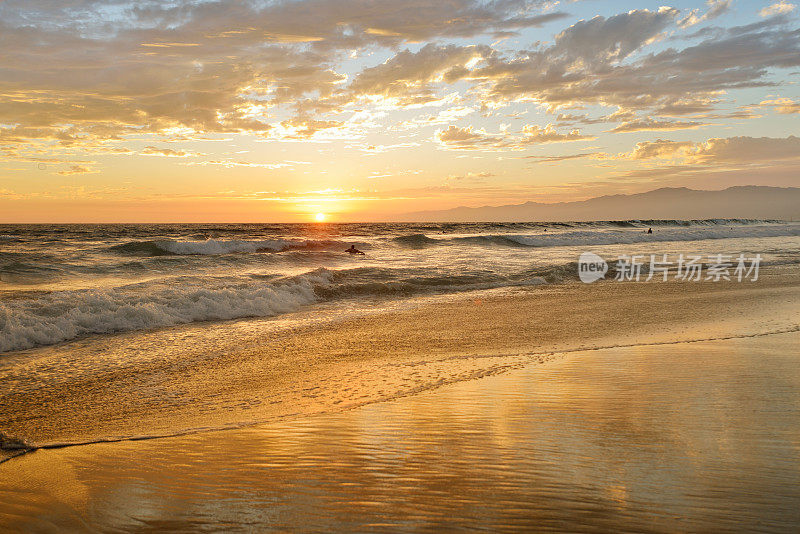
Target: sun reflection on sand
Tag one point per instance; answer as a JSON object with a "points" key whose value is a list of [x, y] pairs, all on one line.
{"points": [[600, 440]]}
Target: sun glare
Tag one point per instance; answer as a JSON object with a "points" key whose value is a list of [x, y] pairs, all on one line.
{"points": [[319, 217]]}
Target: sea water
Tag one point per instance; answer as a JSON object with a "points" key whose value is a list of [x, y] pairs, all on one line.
{"points": [[62, 282]]}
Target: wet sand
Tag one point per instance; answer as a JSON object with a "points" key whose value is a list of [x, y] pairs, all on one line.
{"points": [[690, 437]]}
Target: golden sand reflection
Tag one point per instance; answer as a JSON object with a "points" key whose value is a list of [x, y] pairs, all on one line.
{"points": [[410, 429], [610, 439]]}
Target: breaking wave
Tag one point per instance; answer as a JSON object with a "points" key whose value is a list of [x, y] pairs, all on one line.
{"points": [[214, 247], [415, 240], [64, 315]]}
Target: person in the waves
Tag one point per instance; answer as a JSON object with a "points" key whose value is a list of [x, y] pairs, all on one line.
{"points": [[353, 250]]}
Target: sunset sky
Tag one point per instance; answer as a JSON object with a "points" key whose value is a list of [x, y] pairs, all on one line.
{"points": [[263, 111]]}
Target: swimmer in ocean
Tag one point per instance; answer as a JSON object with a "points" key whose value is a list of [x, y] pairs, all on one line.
{"points": [[354, 250]]}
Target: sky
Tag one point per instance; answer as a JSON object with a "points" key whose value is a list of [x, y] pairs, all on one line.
{"points": [[364, 110]]}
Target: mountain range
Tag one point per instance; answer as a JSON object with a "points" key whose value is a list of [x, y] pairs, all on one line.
{"points": [[738, 202]]}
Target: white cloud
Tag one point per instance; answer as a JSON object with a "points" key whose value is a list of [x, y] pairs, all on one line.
{"points": [[778, 8]]}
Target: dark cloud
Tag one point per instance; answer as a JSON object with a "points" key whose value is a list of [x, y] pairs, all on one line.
{"points": [[587, 68]]}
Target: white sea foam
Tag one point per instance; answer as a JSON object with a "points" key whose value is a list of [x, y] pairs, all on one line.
{"points": [[64, 315]]}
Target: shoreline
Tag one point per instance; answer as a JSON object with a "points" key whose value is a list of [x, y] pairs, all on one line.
{"points": [[643, 438], [346, 363], [16, 448]]}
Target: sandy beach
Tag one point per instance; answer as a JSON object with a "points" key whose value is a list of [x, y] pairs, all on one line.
{"points": [[289, 373], [698, 436]]}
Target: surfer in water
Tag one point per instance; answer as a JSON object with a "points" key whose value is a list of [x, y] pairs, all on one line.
{"points": [[649, 230], [354, 250]]}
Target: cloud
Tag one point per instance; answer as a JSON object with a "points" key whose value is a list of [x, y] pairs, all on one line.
{"points": [[378, 149], [534, 135], [785, 106], [468, 139], [650, 124], [745, 150], [660, 149], [224, 67], [566, 157], [778, 8], [444, 116], [77, 169], [584, 118], [234, 163], [471, 177], [589, 68], [607, 40], [739, 150], [304, 127], [687, 106], [715, 9], [107, 70], [407, 76], [166, 152]]}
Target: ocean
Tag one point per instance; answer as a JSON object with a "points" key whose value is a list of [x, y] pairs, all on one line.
{"points": [[64, 282]]}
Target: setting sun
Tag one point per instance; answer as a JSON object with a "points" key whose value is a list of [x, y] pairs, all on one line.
{"points": [[319, 217]]}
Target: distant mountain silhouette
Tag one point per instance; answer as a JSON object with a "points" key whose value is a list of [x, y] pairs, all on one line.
{"points": [[740, 202]]}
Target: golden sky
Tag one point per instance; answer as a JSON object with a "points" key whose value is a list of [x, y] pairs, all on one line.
{"points": [[263, 111]]}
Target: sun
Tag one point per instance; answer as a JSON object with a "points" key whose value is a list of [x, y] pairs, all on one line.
{"points": [[319, 217]]}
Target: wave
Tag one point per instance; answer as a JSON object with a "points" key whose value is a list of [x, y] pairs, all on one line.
{"points": [[423, 241], [662, 235], [65, 315], [415, 240], [141, 248], [639, 223], [50, 318], [606, 237], [13, 443], [214, 247]]}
